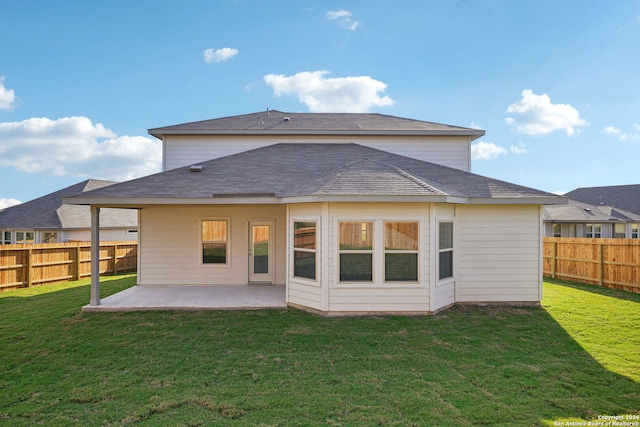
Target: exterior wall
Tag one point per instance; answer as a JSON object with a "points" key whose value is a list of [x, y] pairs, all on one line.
{"points": [[443, 290], [379, 296], [497, 253], [185, 150], [170, 246], [106, 235]]}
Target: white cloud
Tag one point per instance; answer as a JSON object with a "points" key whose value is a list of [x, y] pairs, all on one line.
{"points": [[344, 19], [536, 115], [559, 192], [74, 146], [518, 149], [220, 55], [620, 135], [343, 94], [486, 151], [5, 203], [7, 96]]}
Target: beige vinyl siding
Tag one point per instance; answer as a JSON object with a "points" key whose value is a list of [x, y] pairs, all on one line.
{"points": [[185, 150], [379, 296], [170, 244], [497, 253]]}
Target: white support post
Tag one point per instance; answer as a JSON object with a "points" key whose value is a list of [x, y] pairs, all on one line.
{"points": [[95, 256]]}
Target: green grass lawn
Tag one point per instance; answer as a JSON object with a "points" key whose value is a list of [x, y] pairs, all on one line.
{"points": [[575, 358]]}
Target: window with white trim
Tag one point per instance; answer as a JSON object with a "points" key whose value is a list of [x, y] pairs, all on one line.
{"points": [[50, 237], [401, 251], [5, 237], [557, 230], [25, 237], [445, 250], [215, 242], [635, 231], [593, 230], [619, 231], [356, 251], [305, 249]]}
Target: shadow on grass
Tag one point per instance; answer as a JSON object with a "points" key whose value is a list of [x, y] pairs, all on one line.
{"points": [[466, 366]]}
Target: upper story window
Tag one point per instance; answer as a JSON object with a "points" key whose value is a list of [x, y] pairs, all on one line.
{"points": [[215, 242], [305, 249]]}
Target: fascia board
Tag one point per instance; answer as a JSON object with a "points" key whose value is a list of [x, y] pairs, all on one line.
{"points": [[474, 134]]}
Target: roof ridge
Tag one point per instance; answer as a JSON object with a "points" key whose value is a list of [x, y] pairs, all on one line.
{"points": [[412, 177]]}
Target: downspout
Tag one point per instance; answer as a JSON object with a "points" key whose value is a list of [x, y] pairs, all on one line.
{"points": [[95, 256]]}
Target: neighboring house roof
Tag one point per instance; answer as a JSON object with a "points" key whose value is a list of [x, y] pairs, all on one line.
{"points": [[625, 197], [275, 122], [49, 212], [299, 172], [579, 212]]}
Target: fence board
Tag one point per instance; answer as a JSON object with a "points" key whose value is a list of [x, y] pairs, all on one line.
{"points": [[24, 265], [613, 263]]}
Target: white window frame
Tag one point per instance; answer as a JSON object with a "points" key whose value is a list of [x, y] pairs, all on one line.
{"points": [[635, 231], [227, 264], [452, 249], [3, 237], [45, 233], [557, 233], [315, 251], [25, 240], [624, 230], [400, 251], [590, 231], [378, 252]]}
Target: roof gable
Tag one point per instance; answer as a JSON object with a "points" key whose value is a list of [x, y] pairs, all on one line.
{"points": [[278, 122]]}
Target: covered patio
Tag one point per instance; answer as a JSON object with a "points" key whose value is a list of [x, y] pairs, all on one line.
{"points": [[139, 298]]}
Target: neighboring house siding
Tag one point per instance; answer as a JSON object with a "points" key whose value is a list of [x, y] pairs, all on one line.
{"points": [[106, 235], [171, 250], [498, 256], [180, 150], [379, 296]]}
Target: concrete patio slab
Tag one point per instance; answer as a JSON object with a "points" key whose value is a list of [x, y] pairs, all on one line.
{"points": [[139, 298]]}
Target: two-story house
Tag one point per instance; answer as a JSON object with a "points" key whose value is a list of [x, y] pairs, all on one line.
{"points": [[351, 213]]}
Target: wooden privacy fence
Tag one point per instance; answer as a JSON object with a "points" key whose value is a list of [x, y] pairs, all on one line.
{"points": [[25, 265], [614, 263]]}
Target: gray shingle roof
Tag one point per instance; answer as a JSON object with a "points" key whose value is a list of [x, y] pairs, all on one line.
{"points": [[626, 197], [278, 122], [320, 171], [576, 211], [49, 212]]}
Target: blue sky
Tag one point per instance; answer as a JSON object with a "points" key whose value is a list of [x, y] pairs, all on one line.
{"points": [[553, 83]]}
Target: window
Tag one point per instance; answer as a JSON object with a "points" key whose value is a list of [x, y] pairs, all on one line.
{"points": [[635, 231], [572, 230], [215, 242], [25, 237], [50, 237], [5, 237], [445, 250], [557, 230], [304, 250], [593, 230], [619, 231], [400, 251], [356, 251]]}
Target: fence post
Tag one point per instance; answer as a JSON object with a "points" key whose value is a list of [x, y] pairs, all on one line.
{"points": [[554, 259], [29, 267], [78, 252], [600, 265], [115, 259]]}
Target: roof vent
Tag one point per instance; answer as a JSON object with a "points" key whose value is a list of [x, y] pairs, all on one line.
{"points": [[287, 119], [195, 168]]}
